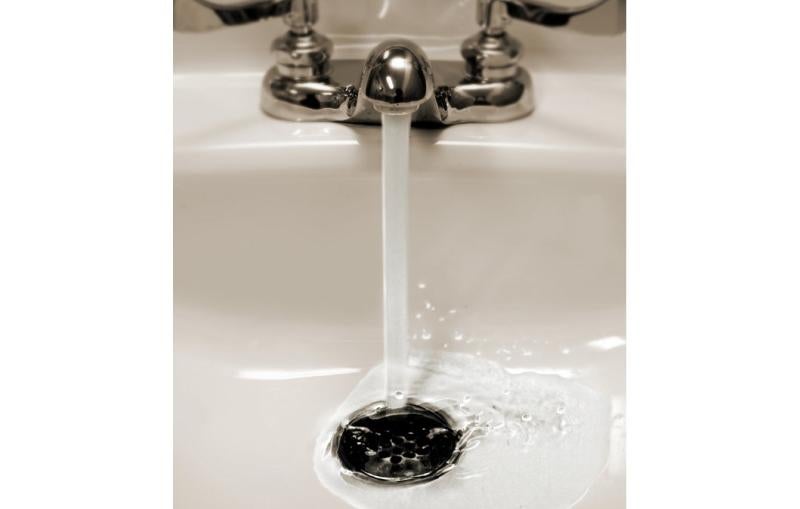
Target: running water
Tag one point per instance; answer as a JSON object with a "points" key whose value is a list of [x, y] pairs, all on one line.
{"points": [[395, 254], [529, 440]]}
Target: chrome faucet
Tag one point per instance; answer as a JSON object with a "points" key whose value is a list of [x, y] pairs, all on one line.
{"points": [[305, 84]]}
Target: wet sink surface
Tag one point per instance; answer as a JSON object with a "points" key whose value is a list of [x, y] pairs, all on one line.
{"points": [[517, 227]]}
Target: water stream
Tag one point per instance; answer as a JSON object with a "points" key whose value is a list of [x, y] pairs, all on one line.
{"points": [[395, 138], [530, 440]]}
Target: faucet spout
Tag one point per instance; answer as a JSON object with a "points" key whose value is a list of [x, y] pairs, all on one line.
{"points": [[397, 77], [307, 84]]}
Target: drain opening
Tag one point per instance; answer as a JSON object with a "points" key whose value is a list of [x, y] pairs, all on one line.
{"points": [[406, 445]]}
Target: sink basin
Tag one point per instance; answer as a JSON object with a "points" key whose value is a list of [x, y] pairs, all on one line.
{"points": [[517, 242]]}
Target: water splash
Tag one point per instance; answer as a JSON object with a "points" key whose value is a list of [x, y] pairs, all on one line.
{"points": [[530, 440]]}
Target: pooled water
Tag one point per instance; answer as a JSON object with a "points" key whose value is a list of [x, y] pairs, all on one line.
{"points": [[533, 441]]}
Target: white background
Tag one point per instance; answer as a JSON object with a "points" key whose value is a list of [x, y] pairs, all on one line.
{"points": [[85, 254]]}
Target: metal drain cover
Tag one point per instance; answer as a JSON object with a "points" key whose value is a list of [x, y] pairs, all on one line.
{"points": [[406, 445]]}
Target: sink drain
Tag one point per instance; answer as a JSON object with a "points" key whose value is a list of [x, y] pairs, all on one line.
{"points": [[411, 444]]}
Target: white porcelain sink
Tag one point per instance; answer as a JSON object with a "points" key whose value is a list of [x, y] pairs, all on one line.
{"points": [[518, 227]]}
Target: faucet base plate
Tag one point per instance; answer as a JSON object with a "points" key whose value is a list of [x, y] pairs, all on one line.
{"points": [[457, 98]]}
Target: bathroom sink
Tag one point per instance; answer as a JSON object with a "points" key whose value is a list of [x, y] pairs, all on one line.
{"points": [[517, 243]]}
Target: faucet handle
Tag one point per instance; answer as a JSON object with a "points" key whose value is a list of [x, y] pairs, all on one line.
{"points": [[494, 15], [300, 15], [492, 54], [301, 54]]}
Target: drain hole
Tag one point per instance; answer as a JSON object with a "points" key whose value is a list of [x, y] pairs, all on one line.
{"points": [[410, 444]]}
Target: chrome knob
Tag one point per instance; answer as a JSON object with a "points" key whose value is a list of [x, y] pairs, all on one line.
{"points": [[397, 77], [494, 15], [300, 15]]}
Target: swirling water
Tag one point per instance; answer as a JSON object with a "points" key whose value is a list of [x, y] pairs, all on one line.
{"points": [[533, 441]]}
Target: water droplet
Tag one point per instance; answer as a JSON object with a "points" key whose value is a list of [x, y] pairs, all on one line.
{"points": [[506, 392], [565, 351], [458, 335], [526, 417], [560, 409], [398, 395], [452, 311], [428, 305], [418, 316], [426, 334], [441, 318], [421, 285], [467, 398], [445, 345], [527, 353], [478, 353]]}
